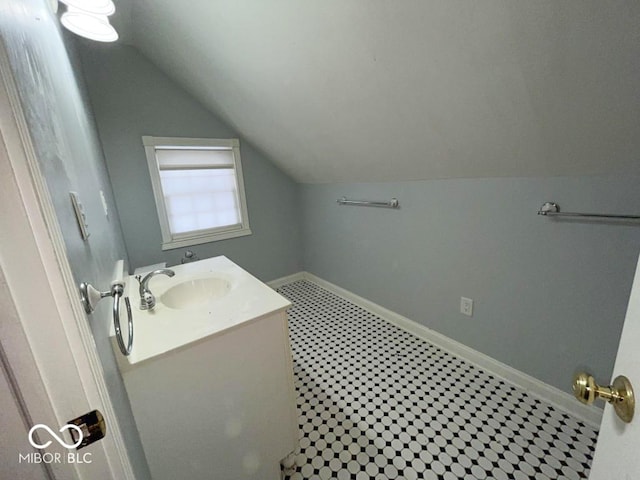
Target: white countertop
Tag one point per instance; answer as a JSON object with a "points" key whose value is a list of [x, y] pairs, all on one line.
{"points": [[163, 329]]}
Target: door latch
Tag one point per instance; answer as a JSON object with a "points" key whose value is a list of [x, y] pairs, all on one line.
{"points": [[93, 428]]}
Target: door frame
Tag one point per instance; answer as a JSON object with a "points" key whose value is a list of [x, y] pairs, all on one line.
{"points": [[47, 345]]}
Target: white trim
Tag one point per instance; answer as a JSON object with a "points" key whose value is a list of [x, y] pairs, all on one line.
{"points": [[171, 241], [158, 196], [556, 397], [211, 237], [279, 282], [64, 350], [179, 142]]}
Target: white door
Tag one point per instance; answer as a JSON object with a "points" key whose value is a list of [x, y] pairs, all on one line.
{"points": [[51, 371], [618, 450], [14, 426]]}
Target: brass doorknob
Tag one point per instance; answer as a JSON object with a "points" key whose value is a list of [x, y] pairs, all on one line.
{"points": [[619, 394]]}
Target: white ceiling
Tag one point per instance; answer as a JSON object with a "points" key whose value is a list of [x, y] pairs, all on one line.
{"points": [[380, 90]]}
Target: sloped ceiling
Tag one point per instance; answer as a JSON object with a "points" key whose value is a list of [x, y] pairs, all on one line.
{"points": [[372, 90]]}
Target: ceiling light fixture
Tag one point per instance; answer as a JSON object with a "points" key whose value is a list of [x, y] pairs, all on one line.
{"points": [[88, 18], [96, 7]]}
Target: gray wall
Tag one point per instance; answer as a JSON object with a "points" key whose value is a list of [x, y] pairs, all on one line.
{"points": [[549, 295], [132, 98], [69, 153]]}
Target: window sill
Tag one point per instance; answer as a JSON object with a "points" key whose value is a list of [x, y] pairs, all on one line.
{"points": [[200, 239]]}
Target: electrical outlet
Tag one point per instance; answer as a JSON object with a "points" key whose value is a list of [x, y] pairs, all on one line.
{"points": [[466, 306]]}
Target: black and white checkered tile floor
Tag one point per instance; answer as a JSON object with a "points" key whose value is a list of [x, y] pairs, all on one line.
{"points": [[375, 402]]}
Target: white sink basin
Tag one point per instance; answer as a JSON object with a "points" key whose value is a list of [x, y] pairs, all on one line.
{"points": [[203, 299], [192, 293]]}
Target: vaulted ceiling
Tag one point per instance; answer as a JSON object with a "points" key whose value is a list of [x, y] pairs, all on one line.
{"points": [[379, 90]]}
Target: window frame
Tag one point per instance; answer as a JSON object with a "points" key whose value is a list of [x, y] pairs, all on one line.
{"points": [[195, 237]]}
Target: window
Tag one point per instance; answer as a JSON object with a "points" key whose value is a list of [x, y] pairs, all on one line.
{"points": [[198, 189]]}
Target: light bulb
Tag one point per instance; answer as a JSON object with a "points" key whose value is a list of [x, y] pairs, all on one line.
{"points": [[94, 27]]}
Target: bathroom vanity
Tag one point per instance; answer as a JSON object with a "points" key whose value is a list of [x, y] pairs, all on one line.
{"points": [[210, 377]]}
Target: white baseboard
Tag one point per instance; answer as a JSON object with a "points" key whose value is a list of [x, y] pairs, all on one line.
{"points": [[279, 282], [562, 400]]}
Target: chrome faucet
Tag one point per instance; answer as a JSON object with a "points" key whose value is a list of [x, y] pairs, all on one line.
{"points": [[147, 299]]}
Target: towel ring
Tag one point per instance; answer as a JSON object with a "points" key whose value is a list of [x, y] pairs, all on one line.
{"points": [[116, 292], [90, 297]]}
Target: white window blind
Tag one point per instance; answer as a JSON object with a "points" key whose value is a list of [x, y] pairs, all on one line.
{"points": [[182, 158], [200, 199], [200, 188]]}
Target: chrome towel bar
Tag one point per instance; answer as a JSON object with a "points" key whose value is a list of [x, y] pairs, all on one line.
{"points": [[393, 203], [551, 209]]}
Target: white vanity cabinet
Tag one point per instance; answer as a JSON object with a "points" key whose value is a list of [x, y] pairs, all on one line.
{"points": [[221, 407]]}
